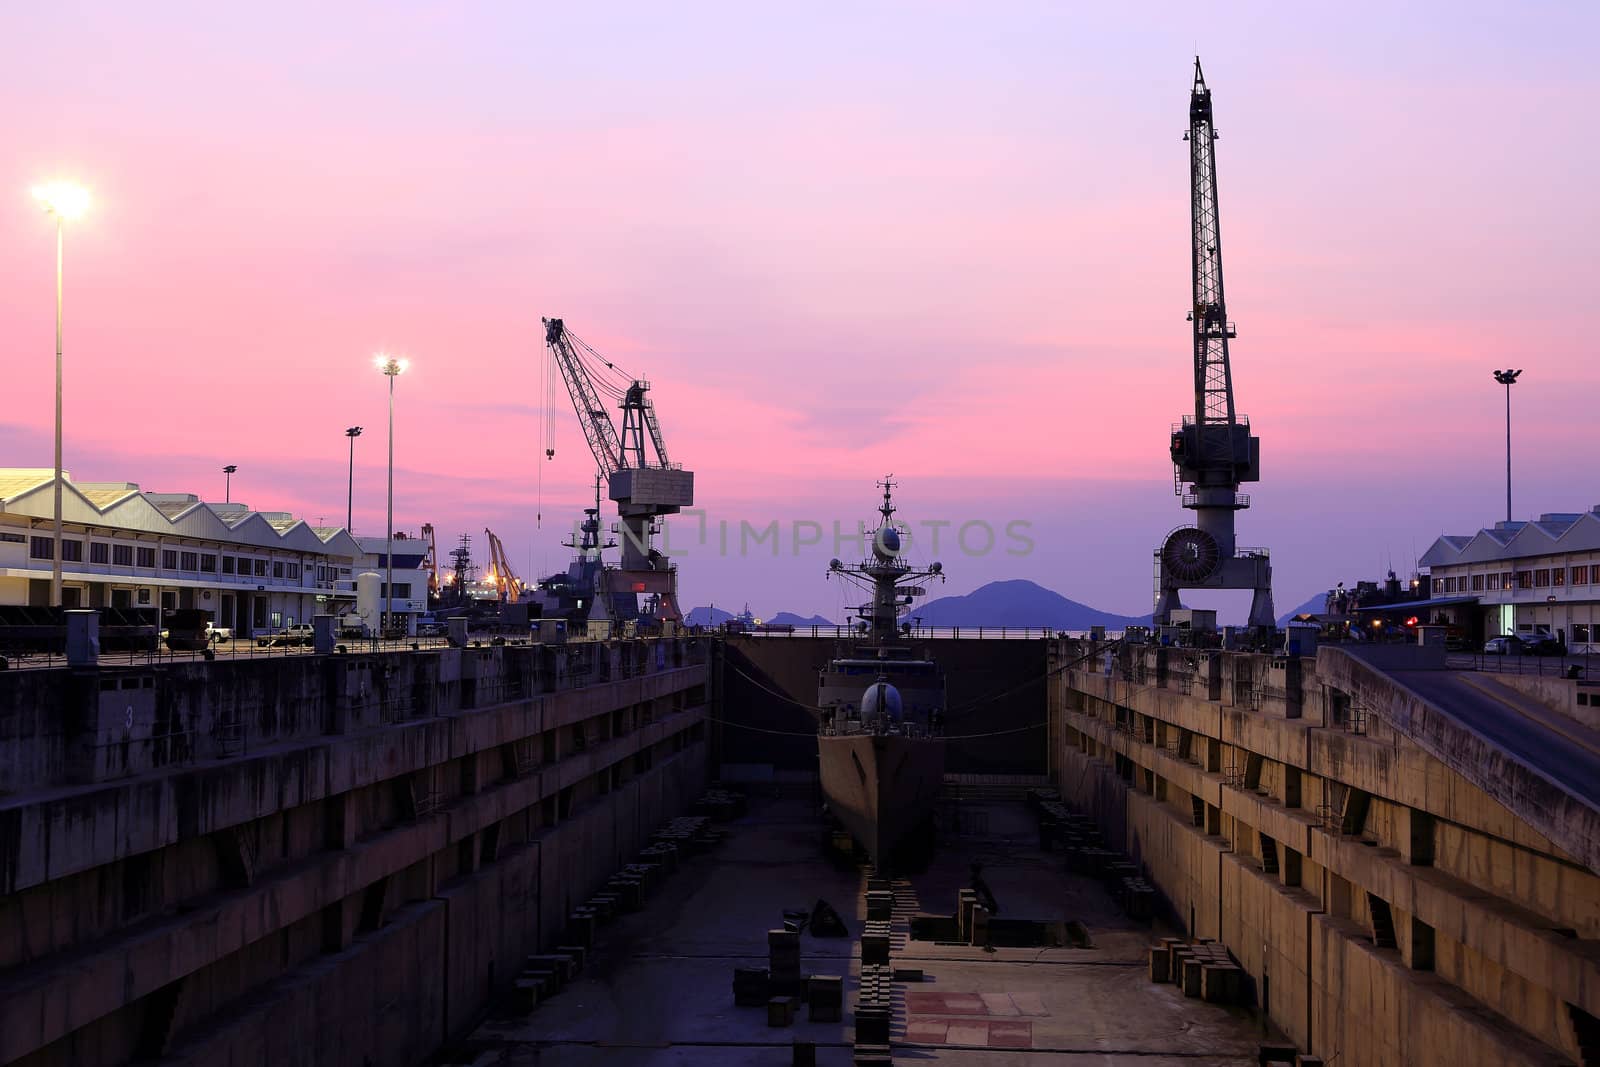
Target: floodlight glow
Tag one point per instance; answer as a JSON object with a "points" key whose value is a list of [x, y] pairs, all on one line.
{"points": [[66, 200]]}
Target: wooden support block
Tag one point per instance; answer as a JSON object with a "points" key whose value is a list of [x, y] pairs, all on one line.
{"points": [[1215, 987], [1192, 971], [524, 994], [1160, 963], [780, 1011]]}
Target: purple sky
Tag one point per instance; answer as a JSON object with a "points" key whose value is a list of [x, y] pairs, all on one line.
{"points": [[944, 240]]}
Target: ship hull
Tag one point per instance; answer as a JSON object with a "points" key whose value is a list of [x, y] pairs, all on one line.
{"points": [[881, 787]]}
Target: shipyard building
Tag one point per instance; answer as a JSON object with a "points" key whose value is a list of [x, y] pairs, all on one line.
{"points": [[1527, 579], [123, 547]]}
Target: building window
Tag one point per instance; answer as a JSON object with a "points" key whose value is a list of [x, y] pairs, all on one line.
{"points": [[99, 552], [147, 556], [1541, 577], [122, 555], [169, 600], [191, 561], [72, 551], [1438, 586], [144, 596], [1580, 633], [277, 568], [227, 564], [261, 568], [1524, 579], [292, 571], [169, 558], [208, 563], [1580, 576], [402, 590], [12, 538], [41, 548], [1477, 583], [1558, 576], [277, 619]]}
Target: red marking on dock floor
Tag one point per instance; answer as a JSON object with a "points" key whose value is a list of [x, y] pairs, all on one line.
{"points": [[992, 1005], [976, 1033]]}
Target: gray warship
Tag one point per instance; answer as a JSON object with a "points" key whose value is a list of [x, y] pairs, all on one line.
{"points": [[880, 742]]}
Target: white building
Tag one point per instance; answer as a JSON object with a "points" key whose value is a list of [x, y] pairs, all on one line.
{"points": [[410, 576], [254, 571], [1527, 578]]}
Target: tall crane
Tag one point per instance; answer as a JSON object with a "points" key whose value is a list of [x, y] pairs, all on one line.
{"points": [[507, 586], [430, 561], [644, 489], [1213, 451]]}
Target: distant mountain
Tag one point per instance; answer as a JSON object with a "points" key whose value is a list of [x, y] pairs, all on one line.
{"points": [[1020, 603], [707, 617], [1315, 606], [789, 618]]}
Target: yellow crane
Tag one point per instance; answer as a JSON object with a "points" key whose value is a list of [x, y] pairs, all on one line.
{"points": [[508, 587], [430, 561]]}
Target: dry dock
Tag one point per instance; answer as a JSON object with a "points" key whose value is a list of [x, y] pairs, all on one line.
{"points": [[657, 990]]}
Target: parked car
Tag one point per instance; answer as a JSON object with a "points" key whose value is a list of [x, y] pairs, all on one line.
{"points": [[1505, 645], [1544, 645], [219, 633], [431, 629], [300, 633]]}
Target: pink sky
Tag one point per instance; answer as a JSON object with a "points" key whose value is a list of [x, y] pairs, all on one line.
{"points": [[944, 240]]}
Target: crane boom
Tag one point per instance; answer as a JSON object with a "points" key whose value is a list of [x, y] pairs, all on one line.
{"points": [[1213, 376], [592, 416], [430, 561], [508, 586]]}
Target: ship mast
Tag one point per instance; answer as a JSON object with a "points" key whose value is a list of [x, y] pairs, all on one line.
{"points": [[886, 574]]}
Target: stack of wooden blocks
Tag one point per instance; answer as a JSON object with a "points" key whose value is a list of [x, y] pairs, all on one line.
{"points": [[750, 987], [783, 962], [1137, 897], [825, 998], [875, 942], [544, 976], [874, 1009], [1202, 969]]}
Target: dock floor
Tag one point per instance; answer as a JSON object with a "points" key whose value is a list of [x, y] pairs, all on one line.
{"points": [[658, 988]]}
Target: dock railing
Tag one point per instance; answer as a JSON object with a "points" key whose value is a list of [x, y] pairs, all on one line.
{"points": [[930, 633]]}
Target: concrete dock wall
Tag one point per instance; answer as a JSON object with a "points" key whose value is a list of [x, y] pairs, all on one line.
{"points": [[351, 884], [1386, 908]]}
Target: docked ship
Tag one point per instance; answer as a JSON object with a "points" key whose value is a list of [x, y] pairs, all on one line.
{"points": [[880, 740]]}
